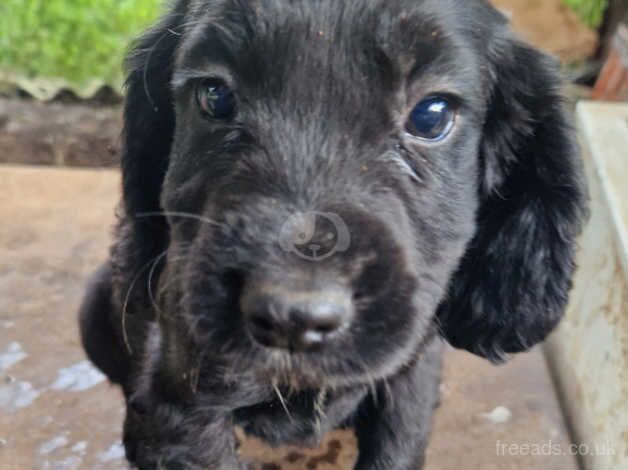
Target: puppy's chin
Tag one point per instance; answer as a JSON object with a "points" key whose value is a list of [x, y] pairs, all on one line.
{"points": [[288, 371], [292, 380], [303, 372]]}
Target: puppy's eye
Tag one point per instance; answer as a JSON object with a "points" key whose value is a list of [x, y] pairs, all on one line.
{"points": [[215, 99], [432, 119]]}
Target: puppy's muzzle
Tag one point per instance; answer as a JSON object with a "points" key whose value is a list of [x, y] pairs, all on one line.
{"points": [[278, 317]]}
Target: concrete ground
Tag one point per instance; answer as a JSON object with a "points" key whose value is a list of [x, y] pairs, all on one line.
{"points": [[56, 412]]}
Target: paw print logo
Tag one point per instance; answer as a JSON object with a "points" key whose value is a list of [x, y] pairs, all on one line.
{"points": [[314, 236]]}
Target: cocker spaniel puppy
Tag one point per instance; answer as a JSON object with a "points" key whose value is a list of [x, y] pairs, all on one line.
{"points": [[316, 193]]}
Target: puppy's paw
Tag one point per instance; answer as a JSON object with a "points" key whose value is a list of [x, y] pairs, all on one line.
{"points": [[139, 451]]}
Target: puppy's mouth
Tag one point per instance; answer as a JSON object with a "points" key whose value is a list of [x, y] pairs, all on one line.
{"points": [[290, 371], [299, 372]]}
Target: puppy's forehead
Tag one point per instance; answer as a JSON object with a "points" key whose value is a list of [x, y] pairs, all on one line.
{"points": [[260, 38]]}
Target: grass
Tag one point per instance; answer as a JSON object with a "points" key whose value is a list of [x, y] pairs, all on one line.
{"points": [[81, 40], [77, 40], [591, 11]]}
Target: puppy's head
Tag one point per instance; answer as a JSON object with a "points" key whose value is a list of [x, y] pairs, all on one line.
{"points": [[337, 179]]}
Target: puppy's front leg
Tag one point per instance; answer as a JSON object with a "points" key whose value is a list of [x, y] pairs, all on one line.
{"points": [[393, 429], [174, 438], [170, 425]]}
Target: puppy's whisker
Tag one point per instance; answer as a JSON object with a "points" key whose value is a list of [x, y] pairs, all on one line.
{"points": [[438, 323], [179, 247], [195, 372], [151, 263], [396, 159], [149, 281], [127, 299], [145, 71], [172, 278], [281, 400], [370, 380], [319, 407], [164, 286], [183, 215]]}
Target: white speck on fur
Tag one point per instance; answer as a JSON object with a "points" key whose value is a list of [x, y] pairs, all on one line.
{"points": [[499, 415], [77, 378], [115, 452], [13, 354], [53, 444], [17, 395]]}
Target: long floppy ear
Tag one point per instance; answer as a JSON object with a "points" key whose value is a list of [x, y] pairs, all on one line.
{"points": [[149, 117], [149, 121], [512, 286]]}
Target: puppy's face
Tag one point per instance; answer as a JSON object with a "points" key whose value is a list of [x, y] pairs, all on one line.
{"points": [[330, 164], [333, 152]]}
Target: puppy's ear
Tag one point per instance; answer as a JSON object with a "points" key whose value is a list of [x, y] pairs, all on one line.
{"points": [[149, 121], [149, 117], [513, 283]]}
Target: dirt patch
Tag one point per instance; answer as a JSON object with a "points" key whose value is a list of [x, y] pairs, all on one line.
{"points": [[59, 133]]}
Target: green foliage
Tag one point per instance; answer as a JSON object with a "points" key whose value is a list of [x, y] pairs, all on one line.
{"points": [[77, 40], [591, 11]]}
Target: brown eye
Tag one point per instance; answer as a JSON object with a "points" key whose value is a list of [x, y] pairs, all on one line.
{"points": [[215, 99]]}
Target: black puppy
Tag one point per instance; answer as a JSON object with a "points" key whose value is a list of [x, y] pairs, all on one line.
{"points": [[315, 193]]}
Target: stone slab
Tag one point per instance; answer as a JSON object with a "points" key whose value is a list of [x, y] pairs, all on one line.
{"points": [[589, 351]]}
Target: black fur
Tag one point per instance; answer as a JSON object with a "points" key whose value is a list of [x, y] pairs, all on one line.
{"points": [[471, 239]]}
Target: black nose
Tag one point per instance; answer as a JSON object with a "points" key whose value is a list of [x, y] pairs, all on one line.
{"points": [[298, 321]]}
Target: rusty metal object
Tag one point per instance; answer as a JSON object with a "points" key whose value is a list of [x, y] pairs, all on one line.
{"points": [[612, 84]]}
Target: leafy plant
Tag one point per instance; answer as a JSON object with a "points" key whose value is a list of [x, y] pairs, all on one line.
{"points": [[77, 40], [591, 11], [80, 40]]}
